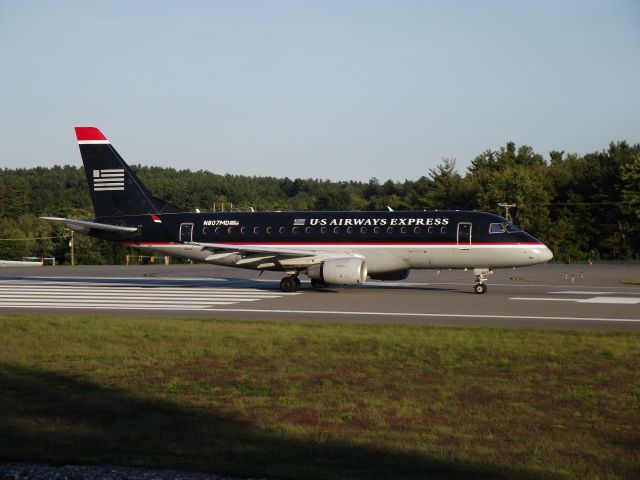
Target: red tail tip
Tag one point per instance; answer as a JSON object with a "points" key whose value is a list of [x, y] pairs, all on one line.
{"points": [[89, 133]]}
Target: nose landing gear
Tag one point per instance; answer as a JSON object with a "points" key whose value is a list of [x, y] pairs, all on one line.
{"points": [[480, 287]]}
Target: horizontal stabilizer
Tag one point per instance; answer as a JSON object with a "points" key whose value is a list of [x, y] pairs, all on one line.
{"points": [[84, 225]]}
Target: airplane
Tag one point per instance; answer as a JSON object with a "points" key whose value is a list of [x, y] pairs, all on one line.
{"points": [[331, 248]]}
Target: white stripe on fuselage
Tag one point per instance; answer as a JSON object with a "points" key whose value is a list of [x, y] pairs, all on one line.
{"points": [[380, 257]]}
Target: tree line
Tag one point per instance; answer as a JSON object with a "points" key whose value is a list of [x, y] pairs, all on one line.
{"points": [[582, 206]]}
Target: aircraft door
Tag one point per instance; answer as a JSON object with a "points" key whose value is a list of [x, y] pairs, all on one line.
{"points": [[464, 236], [186, 232]]}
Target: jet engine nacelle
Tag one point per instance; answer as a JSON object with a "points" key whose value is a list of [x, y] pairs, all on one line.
{"points": [[399, 275], [340, 271]]}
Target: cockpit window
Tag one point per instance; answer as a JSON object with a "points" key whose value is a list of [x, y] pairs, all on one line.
{"points": [[504, 227], [497, 228]]}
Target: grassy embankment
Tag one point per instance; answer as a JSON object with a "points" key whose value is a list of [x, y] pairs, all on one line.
{"points": [[287, 400]]}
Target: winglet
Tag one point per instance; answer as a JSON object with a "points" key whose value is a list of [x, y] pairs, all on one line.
{"points": [[90, 135]]}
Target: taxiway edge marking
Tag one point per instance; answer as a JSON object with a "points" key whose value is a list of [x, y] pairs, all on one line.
{"points": [[415, 314]]}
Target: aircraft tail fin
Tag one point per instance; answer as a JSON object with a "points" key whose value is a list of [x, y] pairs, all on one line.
{"points": [[115, 189]]}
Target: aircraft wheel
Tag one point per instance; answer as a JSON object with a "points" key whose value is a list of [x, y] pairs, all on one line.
{"points": [[318, 284], [480, 288], [290, 284]]}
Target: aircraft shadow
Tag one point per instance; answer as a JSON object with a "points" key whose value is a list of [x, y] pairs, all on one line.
{"points": [[69, 420]]}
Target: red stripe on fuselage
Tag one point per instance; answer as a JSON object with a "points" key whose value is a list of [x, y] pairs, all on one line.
{"points": [[351, 244], [149, 243]]}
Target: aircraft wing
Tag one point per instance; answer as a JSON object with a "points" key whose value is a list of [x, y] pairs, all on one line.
{"points": [[268, 256], [250, 249], [84, 225]]}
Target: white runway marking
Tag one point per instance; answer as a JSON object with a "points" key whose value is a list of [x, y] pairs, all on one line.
{"points": [[619, 300], [137, 295], [580, 292], [109, 296], [614, 300]]}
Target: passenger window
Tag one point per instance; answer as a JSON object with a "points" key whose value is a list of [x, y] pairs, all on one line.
{"points": [[243, 230], [416, 230], [336, 230], [349, 229], [256, 230], [363, 230], [376, 230], [443, 230], [323, 230], [205, 230], [281, 230], [430, 230], [269, 230], [403, 230], [217, 230], [295, 230], [389, 229], [230, 230], [307, 230]]}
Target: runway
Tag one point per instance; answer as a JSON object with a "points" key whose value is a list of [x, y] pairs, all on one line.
{"points": [[557, 296]]}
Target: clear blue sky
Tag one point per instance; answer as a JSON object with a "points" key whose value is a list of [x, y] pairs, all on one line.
{"points": [[327, 89]]}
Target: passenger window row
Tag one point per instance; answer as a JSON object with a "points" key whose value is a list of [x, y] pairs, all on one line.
{"points": [[324, 230]]}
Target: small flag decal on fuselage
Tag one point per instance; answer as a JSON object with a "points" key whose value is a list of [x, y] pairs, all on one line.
{"points": [[108, 179], [299, 222]]}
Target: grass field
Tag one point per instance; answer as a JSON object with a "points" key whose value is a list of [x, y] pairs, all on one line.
{"points": [[287, 400]]}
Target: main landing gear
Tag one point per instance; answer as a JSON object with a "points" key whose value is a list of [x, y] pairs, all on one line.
{"points": [[480, 288], [290, 284]]}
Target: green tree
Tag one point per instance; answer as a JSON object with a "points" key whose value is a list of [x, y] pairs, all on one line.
{"points": [[446, 186]]}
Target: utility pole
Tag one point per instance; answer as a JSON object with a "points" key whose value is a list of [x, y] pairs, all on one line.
{"points": [[507, 206], [73, 257]]}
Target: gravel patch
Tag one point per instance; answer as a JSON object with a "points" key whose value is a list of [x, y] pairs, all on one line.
{"points": [[30, 471]]}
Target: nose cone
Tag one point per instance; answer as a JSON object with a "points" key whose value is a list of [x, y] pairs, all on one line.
{"points": [[545, 254], [539, 254]]}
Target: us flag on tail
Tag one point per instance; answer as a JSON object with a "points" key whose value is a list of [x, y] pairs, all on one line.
{"points": [[108, 179]]}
